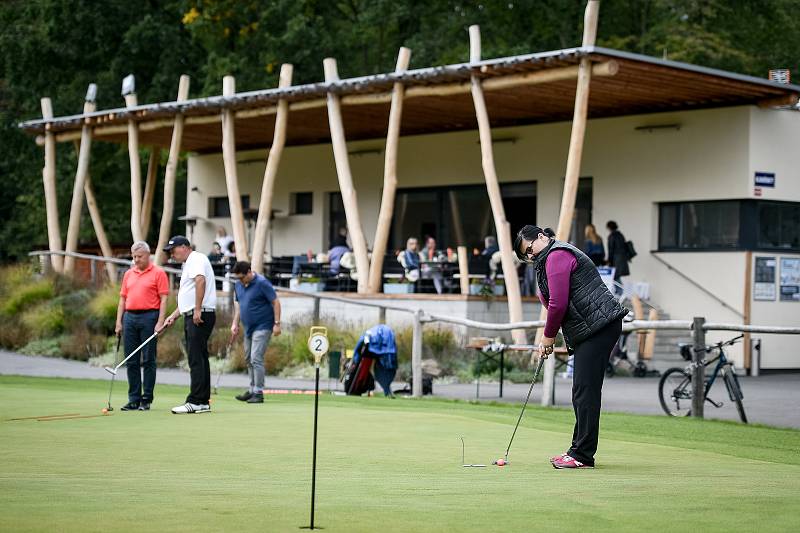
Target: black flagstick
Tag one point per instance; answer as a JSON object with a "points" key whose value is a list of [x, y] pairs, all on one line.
{"points": [[314, 460]]}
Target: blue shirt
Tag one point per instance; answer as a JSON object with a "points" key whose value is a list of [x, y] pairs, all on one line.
{"points": [[255, 304]]}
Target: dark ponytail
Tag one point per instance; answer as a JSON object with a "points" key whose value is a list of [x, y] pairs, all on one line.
{"points": [[529, 233]]}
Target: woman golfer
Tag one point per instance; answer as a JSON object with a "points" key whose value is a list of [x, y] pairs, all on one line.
{"points": [[590, 318]]}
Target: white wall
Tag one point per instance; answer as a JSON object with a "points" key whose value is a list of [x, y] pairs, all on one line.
{"points": [[712, 154]]}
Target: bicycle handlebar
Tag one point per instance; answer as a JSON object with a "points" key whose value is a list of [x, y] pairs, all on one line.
{"points": [[720, 344]]}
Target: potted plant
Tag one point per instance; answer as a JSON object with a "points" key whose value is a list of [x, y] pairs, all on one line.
{"points": [[307, 284], [399, 286]]}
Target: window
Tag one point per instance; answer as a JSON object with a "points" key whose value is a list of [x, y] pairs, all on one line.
{"points": [[779, 225], [458, 215], [302, 203], [729, 225], [218, 206]]}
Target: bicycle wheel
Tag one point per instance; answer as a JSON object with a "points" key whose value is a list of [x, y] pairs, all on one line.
{"points": [[675, 392], [734, 391]]}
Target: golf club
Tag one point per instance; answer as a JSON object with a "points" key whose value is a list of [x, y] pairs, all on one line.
{"points": [[225, 360], [137, 350], [535, 377], [114, 375], [465, 465]]}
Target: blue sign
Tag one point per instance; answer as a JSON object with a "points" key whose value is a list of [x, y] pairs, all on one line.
{"points": [[765, 179]]}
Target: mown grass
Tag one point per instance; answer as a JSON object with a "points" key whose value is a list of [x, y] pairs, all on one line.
{"points": [[384, 465]]}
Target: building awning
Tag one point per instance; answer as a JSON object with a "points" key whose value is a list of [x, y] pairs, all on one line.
{"points": [[528, 89]]}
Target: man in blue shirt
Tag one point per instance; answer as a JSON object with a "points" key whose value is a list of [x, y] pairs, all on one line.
{"points": [[257, 305]]}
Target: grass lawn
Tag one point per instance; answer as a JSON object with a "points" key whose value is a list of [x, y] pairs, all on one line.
{"points": [[383, 465]]}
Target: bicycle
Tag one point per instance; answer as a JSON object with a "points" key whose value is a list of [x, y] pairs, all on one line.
{"points": [[675, 387]]}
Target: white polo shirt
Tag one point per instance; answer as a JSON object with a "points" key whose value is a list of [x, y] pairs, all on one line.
{"points": [[196, 264]]}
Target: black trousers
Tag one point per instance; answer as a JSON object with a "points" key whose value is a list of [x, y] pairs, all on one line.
{"points": [[197, 347], [590, 359]]}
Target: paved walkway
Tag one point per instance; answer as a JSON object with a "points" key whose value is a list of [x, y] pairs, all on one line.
{"points": [[772, 399]]}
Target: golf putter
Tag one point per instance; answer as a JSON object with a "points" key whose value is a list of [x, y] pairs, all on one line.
{"points": [[465, 465], [227, 356], [114, 375], [137, 350], [535, 377]]}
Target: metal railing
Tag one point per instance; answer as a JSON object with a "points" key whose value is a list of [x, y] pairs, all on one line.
{"points": [[698, 326]]}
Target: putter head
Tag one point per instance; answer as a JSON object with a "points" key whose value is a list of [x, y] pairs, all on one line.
{"points": [[110, 370]]}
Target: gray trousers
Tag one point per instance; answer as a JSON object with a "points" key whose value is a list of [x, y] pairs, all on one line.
{"points": [[255, 346]]}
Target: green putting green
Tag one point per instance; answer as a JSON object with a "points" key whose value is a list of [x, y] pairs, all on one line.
{"points": [[383, 465]]}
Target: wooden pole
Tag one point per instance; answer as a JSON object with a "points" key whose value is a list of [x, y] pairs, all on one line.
{"points": [[270, 173], [346, 178], [573, 167], [455, 213], [169, 174], [748, 287], [136, 172], [389, 177], [463, 269], [50, 195], [97, 223], [80, 178], [231, 177], [495, 197], [150, 189]]}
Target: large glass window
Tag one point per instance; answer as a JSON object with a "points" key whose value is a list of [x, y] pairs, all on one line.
{"points": [[729, 225], [458, 215]]}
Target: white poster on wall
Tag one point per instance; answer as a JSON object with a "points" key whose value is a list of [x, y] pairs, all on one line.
{"points": [[790, 279], [764, 282]]}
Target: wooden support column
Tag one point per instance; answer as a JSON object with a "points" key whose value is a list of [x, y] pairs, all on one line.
{"points": [[271, 172], [50, 195], [573, 167], [231, 176], [463, 269], [389, 177], [346, 178], [97, 223], [150, 189], [80, 179], [169, 175], [128, 91], [495, 197]]}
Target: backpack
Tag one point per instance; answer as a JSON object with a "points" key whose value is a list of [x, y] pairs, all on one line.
{"points": [[630, 251]]}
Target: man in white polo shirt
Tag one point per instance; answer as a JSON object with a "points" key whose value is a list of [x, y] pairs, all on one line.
{"points": [[197, 301]]}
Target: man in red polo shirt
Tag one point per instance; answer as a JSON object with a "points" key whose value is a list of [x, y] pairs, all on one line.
{"points": [[141, 312]]}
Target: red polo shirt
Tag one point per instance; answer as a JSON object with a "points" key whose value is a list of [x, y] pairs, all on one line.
{"points": [[142, 290]]}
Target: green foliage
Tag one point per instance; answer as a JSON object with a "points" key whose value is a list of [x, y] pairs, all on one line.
{"points": [[44, 320], [103, 308], [27, 294], [49, 347]]}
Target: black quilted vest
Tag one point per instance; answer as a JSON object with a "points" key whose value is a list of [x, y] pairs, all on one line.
{"points": [[591, 304]]}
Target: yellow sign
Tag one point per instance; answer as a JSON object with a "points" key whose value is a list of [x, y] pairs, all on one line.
{"points": [[318, 343]]}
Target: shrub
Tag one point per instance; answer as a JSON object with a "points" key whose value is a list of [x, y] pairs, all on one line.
{"points": [[44, 320], [103, 309], [15, 276], [27, 294], [48, 347], [81, 344], [13, 334]]}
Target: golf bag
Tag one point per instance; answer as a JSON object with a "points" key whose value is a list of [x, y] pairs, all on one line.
{"points": [[358, 377]]}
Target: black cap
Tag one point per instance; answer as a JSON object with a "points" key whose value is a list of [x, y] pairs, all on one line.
{"points": [[177, 240]]}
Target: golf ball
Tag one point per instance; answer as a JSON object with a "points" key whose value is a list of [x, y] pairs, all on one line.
{"points": [[500, 462], [105, 411]]}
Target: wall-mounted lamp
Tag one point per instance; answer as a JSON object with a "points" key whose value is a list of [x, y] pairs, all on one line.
{"points": [[658, 127]]}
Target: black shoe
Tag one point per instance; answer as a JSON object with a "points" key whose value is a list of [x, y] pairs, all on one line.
{"points": [[245, 396], [256, 398], [144, 406], [130, 406]]}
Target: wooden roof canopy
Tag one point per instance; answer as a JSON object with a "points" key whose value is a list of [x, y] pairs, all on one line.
{"points": [[529, 89]]}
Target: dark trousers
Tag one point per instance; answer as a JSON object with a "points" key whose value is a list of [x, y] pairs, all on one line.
{"points": [[590, 360], [197, 347], [136, 328], [384, 376]]}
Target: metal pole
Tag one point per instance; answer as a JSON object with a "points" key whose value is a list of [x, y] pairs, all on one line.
{"points": [[698, 371], [502, 364], [314, 456], [316, 310], [416, 356], [93, 271], [382, 315]]}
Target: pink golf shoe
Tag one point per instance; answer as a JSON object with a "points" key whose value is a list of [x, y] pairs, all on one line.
{"points": [[566, 461]]}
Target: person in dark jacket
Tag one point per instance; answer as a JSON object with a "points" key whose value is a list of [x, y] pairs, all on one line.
{"points": [[593, 246], [617, 254], [590, 318]]}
